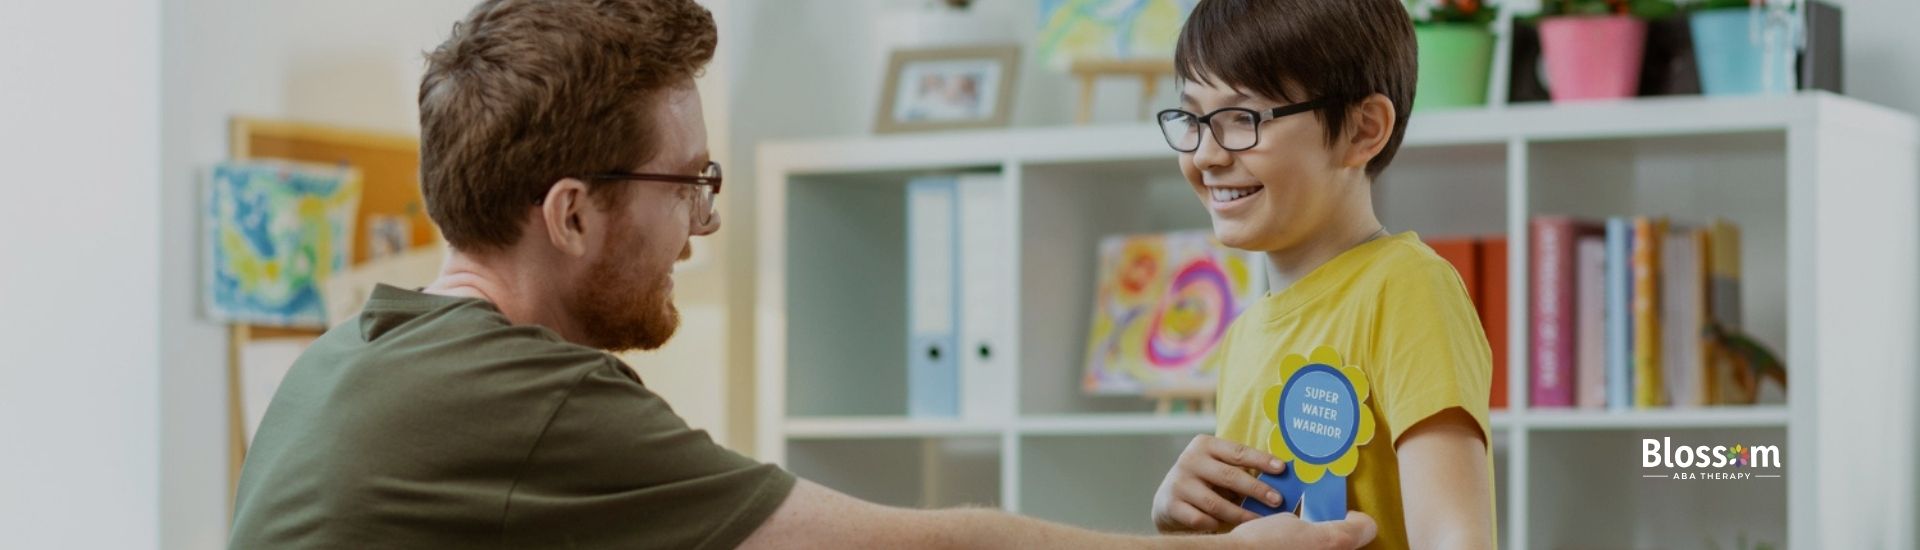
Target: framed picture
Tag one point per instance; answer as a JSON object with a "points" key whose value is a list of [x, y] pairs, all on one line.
{"points": [[1162, 302], [274, 231], [948, 88]]}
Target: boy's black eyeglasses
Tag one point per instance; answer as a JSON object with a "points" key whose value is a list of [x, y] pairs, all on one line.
{"points": [[1233, 128], [708, 183]]}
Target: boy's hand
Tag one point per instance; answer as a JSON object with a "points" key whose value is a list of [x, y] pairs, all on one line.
{"points": [[1202, 492], [1288, 531]]}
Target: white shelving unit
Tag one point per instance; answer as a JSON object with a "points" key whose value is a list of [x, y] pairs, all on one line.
{"points": [[1824, 187]]}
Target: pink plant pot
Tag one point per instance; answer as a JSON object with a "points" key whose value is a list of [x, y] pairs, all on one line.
{"points": [[1592, 57]]}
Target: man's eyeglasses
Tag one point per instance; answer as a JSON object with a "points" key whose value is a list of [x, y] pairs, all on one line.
{"points": [[707, 184], [1233, 128]]}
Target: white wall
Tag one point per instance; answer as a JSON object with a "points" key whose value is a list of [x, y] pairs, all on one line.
{"points": [[1883, 51], [79, 282], [348, 62]]}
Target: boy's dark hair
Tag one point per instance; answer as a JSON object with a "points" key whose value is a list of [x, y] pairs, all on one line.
{"points": [[527, 92], [1344, 50]]}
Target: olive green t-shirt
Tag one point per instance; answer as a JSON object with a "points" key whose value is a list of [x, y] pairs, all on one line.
{"points": [[433, 422]]}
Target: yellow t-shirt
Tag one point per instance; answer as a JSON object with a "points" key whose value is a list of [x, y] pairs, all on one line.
{"points": [[1397, 311]]}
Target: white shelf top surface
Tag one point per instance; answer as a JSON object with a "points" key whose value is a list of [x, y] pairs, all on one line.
{"points": [[1642, 117], [1740, 416], [862, 427]]}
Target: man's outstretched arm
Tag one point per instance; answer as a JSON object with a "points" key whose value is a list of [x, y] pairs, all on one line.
{"points": [[817, 517]]}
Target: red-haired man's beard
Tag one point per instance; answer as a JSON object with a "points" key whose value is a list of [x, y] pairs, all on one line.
{"points": [[622, 306]]}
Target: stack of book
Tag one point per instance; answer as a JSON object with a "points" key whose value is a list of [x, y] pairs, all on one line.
{"points": [[1623, 312]]}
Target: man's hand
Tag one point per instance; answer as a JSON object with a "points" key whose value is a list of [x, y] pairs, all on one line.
{"points": [[1290, 532], [1202, 492], [818, 517]]}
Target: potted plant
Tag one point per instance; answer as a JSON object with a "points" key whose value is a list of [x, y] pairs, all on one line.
{"points": [[1745, 47], [1456, 52], [1593, 48]]}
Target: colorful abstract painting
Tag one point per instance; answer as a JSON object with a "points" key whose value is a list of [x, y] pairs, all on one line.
{"points": [[1163, 303], [274, 232], [1108, 29]]}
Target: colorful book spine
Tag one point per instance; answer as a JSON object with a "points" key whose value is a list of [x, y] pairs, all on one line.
{"points": [[1619, 313], [1493, 311], [1590, 286], [1648, 234], [1555, 333]]}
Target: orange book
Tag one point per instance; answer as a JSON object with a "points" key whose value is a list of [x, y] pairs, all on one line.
{"points": [[1468, 257], [1464, 254], [1648, 234], [1493, 310]]}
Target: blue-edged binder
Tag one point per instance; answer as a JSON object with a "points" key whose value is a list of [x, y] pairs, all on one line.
{"points": [[933, 297], [1619, 280]]}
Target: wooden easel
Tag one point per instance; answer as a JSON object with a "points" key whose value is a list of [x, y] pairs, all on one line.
{"points": [[1169, 402], [1090, 71], [389, 166], [238, 336]]}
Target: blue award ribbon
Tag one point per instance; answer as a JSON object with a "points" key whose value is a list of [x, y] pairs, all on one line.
{"points": [[1320, 420], [1320, 501]]}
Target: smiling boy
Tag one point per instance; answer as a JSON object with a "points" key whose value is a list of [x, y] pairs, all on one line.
{"points": [[1290, 110]]}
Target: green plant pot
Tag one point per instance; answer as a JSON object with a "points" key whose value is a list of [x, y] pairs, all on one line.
{"points": [[1454, 64]]}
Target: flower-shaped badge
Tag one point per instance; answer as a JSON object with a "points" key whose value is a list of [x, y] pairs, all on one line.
{"points": [[1319, 414]]}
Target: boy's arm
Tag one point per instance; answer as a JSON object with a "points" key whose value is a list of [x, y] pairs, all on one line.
{"points": [[818, 517], [1443, 483]]}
